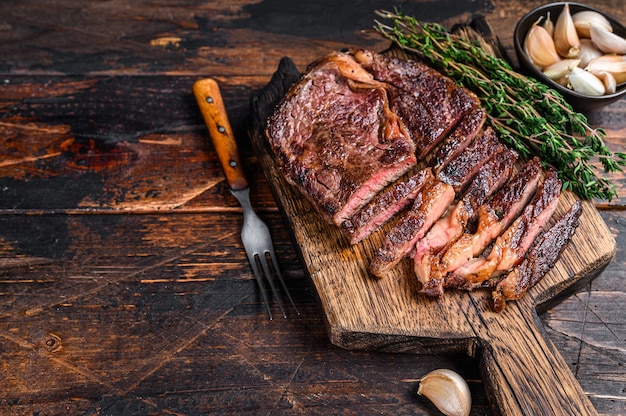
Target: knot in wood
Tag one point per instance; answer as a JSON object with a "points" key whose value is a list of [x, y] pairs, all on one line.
{"points": [[53, 343]]}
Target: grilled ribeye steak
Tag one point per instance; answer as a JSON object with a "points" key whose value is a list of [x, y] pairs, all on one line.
{"points": [[337, 139], [351, 135]]}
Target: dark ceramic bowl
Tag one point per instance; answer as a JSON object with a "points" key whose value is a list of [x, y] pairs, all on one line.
{"points": [[580, 102]]}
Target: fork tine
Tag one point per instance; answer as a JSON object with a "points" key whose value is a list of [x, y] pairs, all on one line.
{"points": [[280, 278], [268, 276], [259, 281]]}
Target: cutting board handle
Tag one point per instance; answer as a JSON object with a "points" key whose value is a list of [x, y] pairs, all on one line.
{"points": [[523, 372]]}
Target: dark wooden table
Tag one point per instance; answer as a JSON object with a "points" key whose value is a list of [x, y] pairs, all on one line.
{"points": [[124, 287]]}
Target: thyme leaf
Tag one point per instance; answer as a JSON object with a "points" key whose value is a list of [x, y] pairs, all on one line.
{"points": [[529, 116]]}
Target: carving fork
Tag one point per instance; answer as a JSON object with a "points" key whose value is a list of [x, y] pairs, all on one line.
{"points": [[255, 235]]}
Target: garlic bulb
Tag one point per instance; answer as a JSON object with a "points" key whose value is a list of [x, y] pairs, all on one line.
{"points": [[606, 41], [566, 38], [448, 391], [539, 47], [581, 22], [585, 82]]}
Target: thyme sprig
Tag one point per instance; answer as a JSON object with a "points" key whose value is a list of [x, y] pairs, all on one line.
{"points": [[529, 116]]}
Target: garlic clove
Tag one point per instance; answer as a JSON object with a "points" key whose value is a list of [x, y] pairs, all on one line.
{"points": [[587, 52], [539, 47], [615, 64], [548, 25], [566, 38], [560, 69], [562, 81], [606, 41], [581, 22], [610, 85], [585, 82], [448, 391]]}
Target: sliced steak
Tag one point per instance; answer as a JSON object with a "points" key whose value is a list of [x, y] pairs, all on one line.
{"points": [[539, 260], [385, 205], [336, 138], [510, 247], [429, 205], [494, 216], [429, 103], [447, 230], [459, 138], [462, 169]]}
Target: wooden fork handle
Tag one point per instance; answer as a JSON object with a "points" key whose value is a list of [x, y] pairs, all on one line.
{"points": [[209, 98]]}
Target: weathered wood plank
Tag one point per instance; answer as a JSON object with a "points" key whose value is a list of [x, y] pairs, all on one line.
{"points": [[112, 81], [133, 301], [94, 144]]}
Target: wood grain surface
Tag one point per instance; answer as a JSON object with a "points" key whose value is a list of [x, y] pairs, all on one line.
{"points": [[124, 287]]}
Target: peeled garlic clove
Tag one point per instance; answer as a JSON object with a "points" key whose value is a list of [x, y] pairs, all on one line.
{"points": [[606, 41], [560, 69], [615, 64], [587, 52], [566, 38], [582, 19], [610, 85], [548, 25], [448, 392], [585, 82], [540, 48]]}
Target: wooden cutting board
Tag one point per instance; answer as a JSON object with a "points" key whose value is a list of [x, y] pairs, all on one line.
{"points": [[523, 372]]}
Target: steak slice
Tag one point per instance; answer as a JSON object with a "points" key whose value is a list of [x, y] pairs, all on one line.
{"points": [[385, 205], [461, 169], [447, 230], [540, 259], [429, 205], [510, 247], [494, 216], [336, 138], [429, 103], [459, 138]]}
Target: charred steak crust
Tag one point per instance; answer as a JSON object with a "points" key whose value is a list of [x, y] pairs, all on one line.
{"points": [[427, 259], [462, 169], [428, 207], [385, 205], [429, 103], [462, 135], [511, 246], [538, 262]]}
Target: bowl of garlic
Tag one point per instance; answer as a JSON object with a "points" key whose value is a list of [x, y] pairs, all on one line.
{"points": [[575, 49]]}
